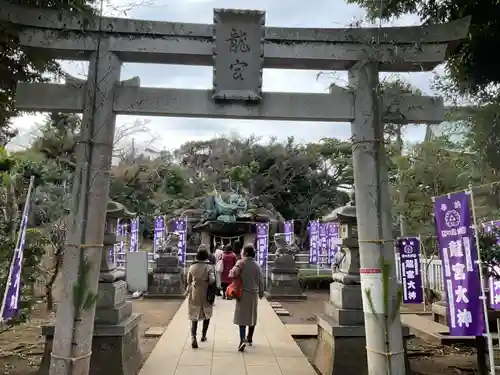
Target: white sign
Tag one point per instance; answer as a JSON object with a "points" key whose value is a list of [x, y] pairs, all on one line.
{"points": [[371, 284]]}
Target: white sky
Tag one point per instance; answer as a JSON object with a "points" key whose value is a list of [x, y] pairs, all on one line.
{"points": [[172, 132]]}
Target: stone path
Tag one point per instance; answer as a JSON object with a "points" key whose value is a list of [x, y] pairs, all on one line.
{"points": [[274, 352]]}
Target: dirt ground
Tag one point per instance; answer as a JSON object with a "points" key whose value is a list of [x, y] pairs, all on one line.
{"points": [[22, 347], [425, 358]]}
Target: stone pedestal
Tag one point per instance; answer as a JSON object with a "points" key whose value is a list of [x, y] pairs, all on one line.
{"points": [[440, 314], [168, 280], [341, 347], [284, 282], [115, 344]]}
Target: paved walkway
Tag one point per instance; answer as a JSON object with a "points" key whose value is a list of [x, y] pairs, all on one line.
{"points": [[274, 351]]}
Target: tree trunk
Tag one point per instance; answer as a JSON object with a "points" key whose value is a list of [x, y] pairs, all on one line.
{"points": [[49, 297], [50, 285]]}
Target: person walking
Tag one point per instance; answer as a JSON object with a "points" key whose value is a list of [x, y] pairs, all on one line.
{"points": [[219, 267], [199, 278], [228, 262], [245, 311]]}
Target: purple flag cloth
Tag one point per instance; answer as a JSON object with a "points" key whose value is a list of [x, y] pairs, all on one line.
{"points": [[181, 230], [458, 250], [120, 246], [313, 241], [159, 233], [288, 230], [12, 295], [134, 234], [493, 282], [322, 251], [411, 275], [262, 243]]}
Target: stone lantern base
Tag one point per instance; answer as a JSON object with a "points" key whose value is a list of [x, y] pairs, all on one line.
{"points": [[284, 283], [168, 279], [341, 347], [115, 344]]}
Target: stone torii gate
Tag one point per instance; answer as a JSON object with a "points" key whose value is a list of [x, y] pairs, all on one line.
{"points": [[238, 46]]}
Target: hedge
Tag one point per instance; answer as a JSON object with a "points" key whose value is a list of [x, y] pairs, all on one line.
{"points": [[315, 281], [312, 282]]}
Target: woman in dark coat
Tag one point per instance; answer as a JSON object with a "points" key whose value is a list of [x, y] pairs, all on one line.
{"points": [[245, 312], [228, 262]]}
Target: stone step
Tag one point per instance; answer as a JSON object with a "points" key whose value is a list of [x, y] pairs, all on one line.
{"points": [[154, 332], [302, 330], [282, 312], [275, 305], [431, 331]]}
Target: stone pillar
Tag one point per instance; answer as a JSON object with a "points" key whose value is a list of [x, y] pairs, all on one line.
{"points": [[74, 329], [249, 238], [374, 218], [206, 239]]}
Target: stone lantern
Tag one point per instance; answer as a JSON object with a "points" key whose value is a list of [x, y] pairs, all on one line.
{"points": [[114, 211], [341, 344], [341, 332], [115, 344], [347, 272]]}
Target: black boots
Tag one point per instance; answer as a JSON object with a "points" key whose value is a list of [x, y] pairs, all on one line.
{"points": [[204, 330], [241, 347], [251, 330], [194, 329]]}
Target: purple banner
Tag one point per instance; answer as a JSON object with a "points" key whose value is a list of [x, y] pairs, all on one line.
{"points": [[288, 230], [181, 230], [262, 243], [458, 251], [313, 241], [134, 234], [11, 297], [323, 243], [411, 275], [121, 230], [493, 282], [333, 234], [159, 233]]}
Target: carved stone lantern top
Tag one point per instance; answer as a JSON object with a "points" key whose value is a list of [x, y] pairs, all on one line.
{"points": [[118, 210], [343, 215]]}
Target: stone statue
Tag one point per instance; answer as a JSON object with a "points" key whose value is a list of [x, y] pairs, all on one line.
{"points": [[282, 247], [284, 283], [228, 210], [170, 245]]}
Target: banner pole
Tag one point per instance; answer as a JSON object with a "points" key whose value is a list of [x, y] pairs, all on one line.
{"points": [[184, 250], [422, 274], [483, 294]]}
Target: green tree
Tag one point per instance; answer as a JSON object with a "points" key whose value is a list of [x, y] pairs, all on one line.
{"points": [[470, 65], [22, 65]]}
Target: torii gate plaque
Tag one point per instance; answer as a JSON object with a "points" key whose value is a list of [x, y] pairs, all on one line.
{"points": [[242, 48], [238, 54]]}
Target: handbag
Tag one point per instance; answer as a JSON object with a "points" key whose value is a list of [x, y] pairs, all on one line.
{"points": [[212, 289], [235, 289]]}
